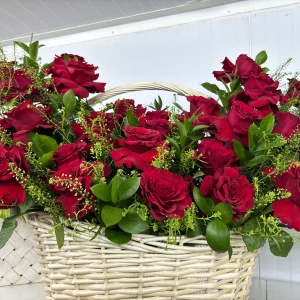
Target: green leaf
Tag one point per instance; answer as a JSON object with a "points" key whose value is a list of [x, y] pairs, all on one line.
{"points": [[181, 128], [256, 161], [230, 252], [199, 229], [213, 88], [178, 106], [254, 135], [132, 223], [251, 239], [22, 45], [117, 236], [218, 236], [34, 50], [261, 57], [281, 245], [69, 101], [273, 141], [111, 215], [188, 125], [131, 119], [8, 227], [30, 62], [199, 127], [239, 150], [128, 188], [267, 124], [185, 141], [42, 144], [160, 103], [59, 232], [46, 159], [174, 145], [234, 84], [206, 205], [198, 174], [102, 191], [226, 211], [265, 70], [29, 203], [115, 184]]}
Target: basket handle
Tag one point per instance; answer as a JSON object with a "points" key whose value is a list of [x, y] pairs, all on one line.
{"points": [[141, 86]]}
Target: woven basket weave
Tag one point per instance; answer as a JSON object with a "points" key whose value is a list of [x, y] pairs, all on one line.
{"points": [[18, 261], [145, 268]]}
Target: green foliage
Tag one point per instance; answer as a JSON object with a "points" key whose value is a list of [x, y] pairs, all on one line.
{"points": [[69, 101], [132, 223], [8, 227], [59, 231], [111, 215], [131, 119], [261, 57], [218, 236], [128, 188], [118, 237], [102, 191], [205, 204], [225, 210], [281, 245]]}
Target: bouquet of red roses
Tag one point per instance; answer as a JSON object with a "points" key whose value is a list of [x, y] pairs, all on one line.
{"points": [[228, 164]]}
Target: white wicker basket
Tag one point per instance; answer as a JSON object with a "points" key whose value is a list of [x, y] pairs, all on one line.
{"points": [[18, 261], [143, 268]]}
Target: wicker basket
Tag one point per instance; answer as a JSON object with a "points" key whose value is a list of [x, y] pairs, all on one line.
{"points": [[18, 264], [143, 268]]}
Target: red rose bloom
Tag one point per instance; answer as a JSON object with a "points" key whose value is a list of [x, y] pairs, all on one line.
{"points": [[287, 124], [215, 156], [17, 84], [156, 120], [246, 66], [228, 185], [293, 91], [25, 118], [121, 107], [124, 157], [73, 72], [11, 192], [69, 180], [140, 139], [202, 106], [165, 193], [103, 124], [240, 117], [69, 152], [227, 73], [288, 210]]}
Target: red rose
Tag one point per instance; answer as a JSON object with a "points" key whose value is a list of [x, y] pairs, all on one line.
{"points": [[228, 71], [220, 128], [11, 192], [215, 156], [73, 72], [165, 193], [156, 120], [16, 84], [140, 139], [228, 185], [69, 152], [73, 179], [287, 124], [121, 107], [293, 91], [240, 117], [73, 206], [124, 157], [288, 210], [246, 66], [202, 106], [25, 118], [102, 124]]}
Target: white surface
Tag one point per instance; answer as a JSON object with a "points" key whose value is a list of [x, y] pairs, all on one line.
{"points": [[260, 290]]}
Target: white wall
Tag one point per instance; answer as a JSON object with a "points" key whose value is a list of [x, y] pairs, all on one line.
{"points": [[186, 54]]}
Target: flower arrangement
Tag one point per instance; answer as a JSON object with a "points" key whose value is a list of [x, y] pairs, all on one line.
{"points": [[230, 164]]}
